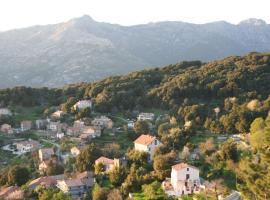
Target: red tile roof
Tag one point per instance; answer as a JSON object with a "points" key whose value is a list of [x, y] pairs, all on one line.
{"points": [[181, 166], [145, 139]]}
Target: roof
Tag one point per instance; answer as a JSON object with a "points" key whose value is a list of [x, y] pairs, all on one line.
{"points": [[46, 180], [28, 142], [104, 160], [47, 151], [4, 192], [145, 139], [84, 174], [74, 182], [181, 166]]}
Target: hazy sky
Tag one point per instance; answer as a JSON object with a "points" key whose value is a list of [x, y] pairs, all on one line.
{"points": [[22, 13]]}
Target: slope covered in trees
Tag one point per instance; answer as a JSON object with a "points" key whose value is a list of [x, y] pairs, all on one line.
{"points": [[189, 90]]}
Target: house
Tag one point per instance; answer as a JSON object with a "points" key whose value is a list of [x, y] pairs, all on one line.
{"points": [[57, 114], [93, 131], [78, 186], [76, 129], [43, 166], [146, 116], [54, 126], [60, 135], [184, 180], [41, 123], [45, 181], [26, 125], [12, 192], [103, 122], [6, 128], [5, 111], [75, 151], [235, 195], [130, 124], [85, 137], [108, 164], [45, 154], [26, 146], [147, 143], [82, 104]]}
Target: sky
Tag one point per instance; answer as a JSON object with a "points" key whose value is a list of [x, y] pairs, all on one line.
{"points": [[24, 13]]}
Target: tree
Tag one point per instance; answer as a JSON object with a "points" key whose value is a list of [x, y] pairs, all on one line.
{"points": [[162, 164], [228, 151], [141, 127], [18, 175], [99, 193], [115, 194], [86, 159], [253, 175], [153, 191], [140, 158], [112, 150], [54, 168], [117, 176], [99, 168], [185, 153], [53, 194]]}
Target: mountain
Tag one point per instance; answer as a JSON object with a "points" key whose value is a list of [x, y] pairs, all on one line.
{"points": [[83, 49]]}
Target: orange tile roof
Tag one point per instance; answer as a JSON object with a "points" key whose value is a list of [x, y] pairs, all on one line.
{"points": [[181, 166], [145, 139]]}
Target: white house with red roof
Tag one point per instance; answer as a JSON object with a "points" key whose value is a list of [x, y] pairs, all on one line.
{"points": [[184, 180], [147, 143]]}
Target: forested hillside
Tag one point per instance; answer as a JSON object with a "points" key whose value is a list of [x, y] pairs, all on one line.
{"points": [[190, 90]]}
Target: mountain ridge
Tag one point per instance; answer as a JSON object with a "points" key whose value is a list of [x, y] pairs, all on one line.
{"points": [[82, 49]]}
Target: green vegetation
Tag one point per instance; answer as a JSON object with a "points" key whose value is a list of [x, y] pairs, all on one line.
{"points": [[27, 113]]}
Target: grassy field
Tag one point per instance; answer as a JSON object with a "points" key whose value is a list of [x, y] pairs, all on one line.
{"points": [[119, 137], [27, 113], [199, 138]]}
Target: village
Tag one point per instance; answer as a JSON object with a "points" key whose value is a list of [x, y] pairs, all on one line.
{"points": [[56, 143]]}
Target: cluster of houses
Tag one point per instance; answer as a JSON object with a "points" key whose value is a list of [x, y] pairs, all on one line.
{"points": [[184, 178]]}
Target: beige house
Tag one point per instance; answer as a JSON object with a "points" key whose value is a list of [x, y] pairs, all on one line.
{"points": [[26, 125], [77, 186], [27, 146], [94, 131], [103, 122], [82, 104], [6, 128], [57, 114], [75, 151], [54, 126], [108, 164], [43, 166], [147, 143], [146, 116], [184, 180], [41, 123], [45, 154], [5, 111]]}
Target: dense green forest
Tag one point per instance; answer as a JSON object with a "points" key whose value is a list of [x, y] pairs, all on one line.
{"points": [[189, 90]]}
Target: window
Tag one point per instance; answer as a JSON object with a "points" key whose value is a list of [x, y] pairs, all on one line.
{"points": [[187, 176], [187, 169], [155, 142]]}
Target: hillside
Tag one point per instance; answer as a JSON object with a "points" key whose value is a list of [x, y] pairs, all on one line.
{"points": [[83, 49], [245, 77]]}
